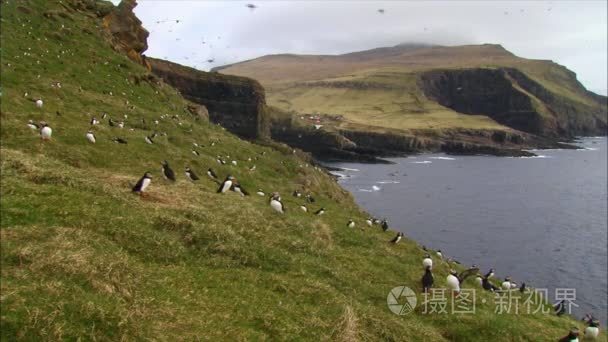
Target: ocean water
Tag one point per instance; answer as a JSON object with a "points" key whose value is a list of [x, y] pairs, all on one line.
{"points": [[540, 220]]}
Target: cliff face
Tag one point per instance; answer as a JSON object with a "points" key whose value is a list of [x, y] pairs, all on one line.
{"points": [[513, 99], [127, 34], [237, 103]]}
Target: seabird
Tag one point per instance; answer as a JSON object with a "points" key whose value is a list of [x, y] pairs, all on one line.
{"points": [[236, 187], [487, 285], [572, 336], [211, 174], [119, 140], [490, 273], [592, 331], [350, 224], [296, 193], [453, 282], [260, 192], [149, 140], [397, 238], [369, 221], [439, 254], [143, 183], [320, 212], [427, 261], [39, 103], [90, 136], [94, 121], [304, 208], [31, 124], [226, 184], [275, 203], [195, 152], [427, 279], [191, 175], [45, 131], [384, 225], [522, 288], [167, 171], [506, 285], [560, 308], [310, 199]]}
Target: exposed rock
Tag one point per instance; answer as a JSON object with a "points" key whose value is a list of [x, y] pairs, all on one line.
{"points": [[515, 100], [127, 34], [237, 103], [200, 112]]}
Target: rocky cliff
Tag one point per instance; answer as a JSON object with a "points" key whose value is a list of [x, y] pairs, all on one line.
{"points": [[237, 103]]}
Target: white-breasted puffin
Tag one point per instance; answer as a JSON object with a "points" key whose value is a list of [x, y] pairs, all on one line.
{"points": [[310, 199], [276, 204], [427, 279], [39, 103], [191, 175], [94, 121], [320, 212], [226, 184], [453, 282], [479, 280], [427, 261], [384, 225], [45, 131], [592, 331], [195, 152], [572, 336], [143, 183], [397, 238], [260, 193], [490, 273], [369, 221], [31, 124], [149, 140], [236, 187], [119, 140], [350, 224], [304, 208], [90, 136], [167, 171], [439, 254], [506, 285], [211, 173], [297, 193]]}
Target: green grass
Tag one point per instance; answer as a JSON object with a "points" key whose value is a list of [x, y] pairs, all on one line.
{"points": [[83, 258]]}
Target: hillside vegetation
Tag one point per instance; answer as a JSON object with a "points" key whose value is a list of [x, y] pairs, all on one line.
{"points": [[83, 258]]}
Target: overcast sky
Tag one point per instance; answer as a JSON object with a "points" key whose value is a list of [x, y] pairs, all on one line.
{"points": [[571, 33]]}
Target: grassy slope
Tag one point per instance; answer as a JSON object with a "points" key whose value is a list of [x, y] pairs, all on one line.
{"points": [[405, 106], [83, 257]]}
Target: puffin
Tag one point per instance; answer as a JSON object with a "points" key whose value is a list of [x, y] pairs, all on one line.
{"points": [[143, 183], [226, 184], [560, 308], [506, 285], [304, 208], [31, 124], [310, 199], [522, 288], [453, 282], [439, 254], [195, 152], [350, 224], [571, 337], [320, 212], [276, 204], [296, 193], [39, 103], [487, 285], [191, 175], [397, 238], [236, 187], [427, 279], [490, 273], [211, 174], [592, 330], [427, 261], [119, 140], [94, 121], [479, 280], [384, 225], [234, 162], [149, 140], [167, 171], [45, 131], [90, 136], [121, 124], [260, 193], [369, 221]]}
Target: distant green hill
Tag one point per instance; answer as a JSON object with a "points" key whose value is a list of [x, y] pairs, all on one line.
{"points": [[83, 258]]}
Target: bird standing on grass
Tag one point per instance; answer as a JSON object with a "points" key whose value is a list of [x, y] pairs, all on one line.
{"points": [[427, 279], [31, 124], [226, 184], [168, 172], [211, 174], [143, 183], [350, 224], [45, 131], [427, 261], [276, 204], [397, 238], [592, 330], [453, 282], [384, 225], [191, 175], [90, 136], [320, 212], [571, 337]]}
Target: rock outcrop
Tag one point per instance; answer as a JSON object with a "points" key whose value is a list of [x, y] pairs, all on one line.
{"points": [[513, 99], [127, 34], [237, 103]]}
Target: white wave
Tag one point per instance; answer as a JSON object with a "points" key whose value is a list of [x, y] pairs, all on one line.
{"points": [[422, 162], [540, 156], [443, 158], [338, 174], [365, 190], [588, 149], [388, 182], [347, 169], [375, 188]]}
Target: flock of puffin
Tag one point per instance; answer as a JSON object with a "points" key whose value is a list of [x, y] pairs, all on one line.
{"points": [[230, 183]]}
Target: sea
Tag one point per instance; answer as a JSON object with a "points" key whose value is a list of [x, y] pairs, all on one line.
{"points": [[540, 220]]}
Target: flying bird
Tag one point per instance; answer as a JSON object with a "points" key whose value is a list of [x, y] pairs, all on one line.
{"points": [[381, 10], [251, 6]]}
